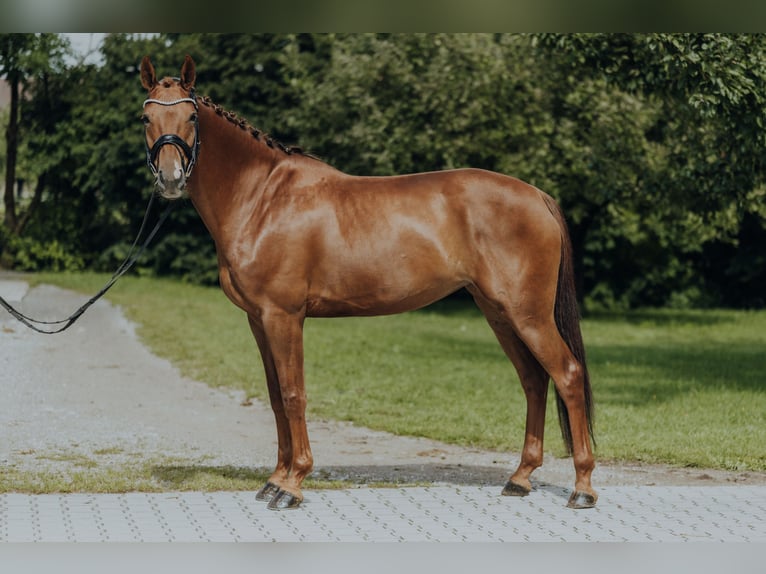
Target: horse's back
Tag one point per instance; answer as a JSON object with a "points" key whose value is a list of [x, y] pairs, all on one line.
{"points": [[479, 209]]}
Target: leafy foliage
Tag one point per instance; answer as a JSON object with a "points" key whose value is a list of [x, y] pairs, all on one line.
{"points": [[651, 142]]}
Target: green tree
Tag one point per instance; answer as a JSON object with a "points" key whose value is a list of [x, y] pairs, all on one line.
{"points": [[26, 62], [716, 81], [708, 137], [400, 103]]}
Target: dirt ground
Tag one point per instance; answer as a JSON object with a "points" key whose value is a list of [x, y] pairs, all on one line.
{"points": [[96, 393]]}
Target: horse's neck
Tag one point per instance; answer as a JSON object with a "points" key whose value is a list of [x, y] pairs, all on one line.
{"points": [[232, 169]]}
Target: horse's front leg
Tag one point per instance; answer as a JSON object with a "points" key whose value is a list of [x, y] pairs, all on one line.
{"points": [[284, 337], [284, 451]]}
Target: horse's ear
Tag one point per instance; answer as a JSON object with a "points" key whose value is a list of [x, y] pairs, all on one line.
{"points": [[188, 73], [148, 77]]}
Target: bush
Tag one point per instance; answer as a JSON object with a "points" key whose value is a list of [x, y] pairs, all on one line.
{"points": [[28, 254]]}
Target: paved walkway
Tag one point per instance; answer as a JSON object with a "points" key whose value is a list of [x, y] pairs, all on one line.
{"points": [[443, 513]]}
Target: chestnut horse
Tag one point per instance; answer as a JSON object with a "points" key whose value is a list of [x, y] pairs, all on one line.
{"points": [[296, 238]]}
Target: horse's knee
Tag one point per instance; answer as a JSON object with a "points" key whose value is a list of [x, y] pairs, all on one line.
{"points": [[294, 404]]}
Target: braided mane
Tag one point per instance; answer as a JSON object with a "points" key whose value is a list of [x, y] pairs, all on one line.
{"points": [[243, 124]]}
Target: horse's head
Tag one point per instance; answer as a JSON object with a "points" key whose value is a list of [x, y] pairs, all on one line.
{"points": [[172, 129]]}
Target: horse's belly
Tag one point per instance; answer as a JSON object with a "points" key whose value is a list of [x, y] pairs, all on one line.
{"points": [[352, 298]]}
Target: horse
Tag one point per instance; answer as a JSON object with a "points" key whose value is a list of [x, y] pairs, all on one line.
{"points": [[297, 238]]}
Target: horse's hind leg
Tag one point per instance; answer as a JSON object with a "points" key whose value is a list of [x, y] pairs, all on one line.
{"points": [[534, 381], [526, 302], [544, 340]]}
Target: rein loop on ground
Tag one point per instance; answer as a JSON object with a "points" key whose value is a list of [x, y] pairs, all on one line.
{"points": [[131, 258]]}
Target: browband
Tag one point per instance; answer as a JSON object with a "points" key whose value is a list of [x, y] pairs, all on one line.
{"points": [[171, 102]]}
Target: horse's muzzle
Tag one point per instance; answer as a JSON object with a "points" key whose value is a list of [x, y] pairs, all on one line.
{"points": [[172, 187], [170, 178]]}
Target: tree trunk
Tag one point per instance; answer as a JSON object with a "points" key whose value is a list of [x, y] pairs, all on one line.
{"points": [[33, 205], [11, 140]]}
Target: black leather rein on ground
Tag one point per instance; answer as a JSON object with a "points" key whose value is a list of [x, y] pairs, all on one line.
{"points": [[130, 260]]}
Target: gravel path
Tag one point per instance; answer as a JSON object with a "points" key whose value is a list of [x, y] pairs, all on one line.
{"points": [[96, 393]]}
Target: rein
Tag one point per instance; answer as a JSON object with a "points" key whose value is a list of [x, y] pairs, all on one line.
{"points": [[130, 260]]}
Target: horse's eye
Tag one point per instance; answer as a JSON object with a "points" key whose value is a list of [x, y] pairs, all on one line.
{"points": [[145, 119], [193, 117]]}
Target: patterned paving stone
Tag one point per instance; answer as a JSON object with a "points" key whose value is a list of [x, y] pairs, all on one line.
{"points": [[445, 513]]}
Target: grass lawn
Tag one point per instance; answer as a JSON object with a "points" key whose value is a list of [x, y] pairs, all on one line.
{"points": [[149, 476], [680, 387]]}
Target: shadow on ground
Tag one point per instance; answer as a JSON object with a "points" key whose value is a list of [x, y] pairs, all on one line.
{"points": [[182, 477]]}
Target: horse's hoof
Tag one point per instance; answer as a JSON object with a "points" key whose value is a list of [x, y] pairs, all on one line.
{"points": [[580, 500], [267, 492], [513, 489], [283, 500]]}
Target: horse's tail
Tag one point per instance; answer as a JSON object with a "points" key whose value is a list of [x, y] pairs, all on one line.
{"points": [[567, 315]]}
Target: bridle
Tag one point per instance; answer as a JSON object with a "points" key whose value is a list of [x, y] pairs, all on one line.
{"points": [[188, 153]]}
